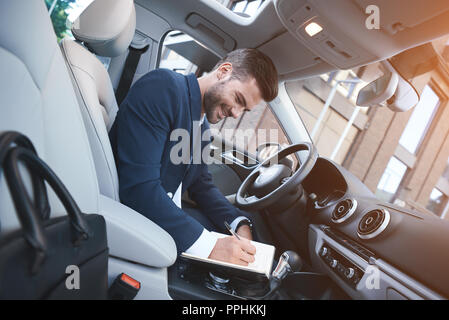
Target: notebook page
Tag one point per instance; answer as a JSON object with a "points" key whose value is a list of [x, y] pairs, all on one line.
{"points": [[263, 259]]}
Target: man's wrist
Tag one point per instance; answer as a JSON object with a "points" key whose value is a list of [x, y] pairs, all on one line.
{"points": [[204, 245], [236, 221], [244, 222]]}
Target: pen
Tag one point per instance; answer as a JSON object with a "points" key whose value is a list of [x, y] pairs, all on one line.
{"points": [[230, 230]]}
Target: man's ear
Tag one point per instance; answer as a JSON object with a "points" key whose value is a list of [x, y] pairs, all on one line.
{"points": [[224, 70]]}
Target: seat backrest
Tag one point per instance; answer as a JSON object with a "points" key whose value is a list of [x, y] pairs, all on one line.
{"points": [[37, 99], [107, 28]]}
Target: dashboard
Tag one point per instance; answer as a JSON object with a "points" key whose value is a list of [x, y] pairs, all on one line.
{"points": [[373, 250]]}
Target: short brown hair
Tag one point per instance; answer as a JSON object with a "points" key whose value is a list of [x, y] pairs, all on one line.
{"points": [[252, 62]]}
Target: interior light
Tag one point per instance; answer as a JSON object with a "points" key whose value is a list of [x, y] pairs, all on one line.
{"points": [[313, 29]]}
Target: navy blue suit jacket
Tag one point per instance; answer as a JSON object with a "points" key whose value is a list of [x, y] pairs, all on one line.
{"points": [[157, 104]]}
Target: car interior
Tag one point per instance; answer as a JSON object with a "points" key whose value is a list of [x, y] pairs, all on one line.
{"points": [[352, 245]]}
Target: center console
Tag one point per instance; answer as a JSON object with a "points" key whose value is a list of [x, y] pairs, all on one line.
{"points": [[341, 266], [362, 274], [190, 281]]}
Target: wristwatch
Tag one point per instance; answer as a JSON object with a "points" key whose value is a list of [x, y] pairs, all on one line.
{"points": [[245, 222]]}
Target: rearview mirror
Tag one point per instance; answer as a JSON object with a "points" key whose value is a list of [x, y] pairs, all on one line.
{"points": [[398, 94], [405, 97], [379, 90]]}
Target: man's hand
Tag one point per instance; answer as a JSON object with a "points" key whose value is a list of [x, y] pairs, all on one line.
{"points": [[233, 250], [245, 232]]}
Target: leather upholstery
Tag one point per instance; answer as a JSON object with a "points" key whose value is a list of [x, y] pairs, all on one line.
{"points": [[107, 27], [38, 101], [135, 236], [98, 107]]}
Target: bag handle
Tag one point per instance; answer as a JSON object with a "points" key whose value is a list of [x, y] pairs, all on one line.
{"points": [[7, 141], [32, 225]]}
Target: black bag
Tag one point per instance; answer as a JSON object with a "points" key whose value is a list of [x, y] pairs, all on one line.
{"points": [[59, 258]]}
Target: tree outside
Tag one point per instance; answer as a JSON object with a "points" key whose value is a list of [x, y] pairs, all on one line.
{"points": [[59, 16]]}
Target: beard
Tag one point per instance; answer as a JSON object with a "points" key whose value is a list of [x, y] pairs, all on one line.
{"points": [[212, 102]]}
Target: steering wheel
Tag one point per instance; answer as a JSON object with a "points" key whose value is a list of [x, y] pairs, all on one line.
{"points": [[272, 179]]}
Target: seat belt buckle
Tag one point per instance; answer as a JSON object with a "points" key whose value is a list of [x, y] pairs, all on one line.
{"points": [[123, 288]]}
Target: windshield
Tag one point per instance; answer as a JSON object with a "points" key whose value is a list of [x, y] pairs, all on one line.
{"points": [[402, 157]]}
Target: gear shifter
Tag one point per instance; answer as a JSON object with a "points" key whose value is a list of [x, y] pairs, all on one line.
{"points": [[289, 262]]}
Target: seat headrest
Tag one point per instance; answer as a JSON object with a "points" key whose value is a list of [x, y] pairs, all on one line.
{"points": [[106, 27]]}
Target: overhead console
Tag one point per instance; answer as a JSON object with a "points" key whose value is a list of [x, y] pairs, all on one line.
{"points": [[304, 20], [336, 31]]}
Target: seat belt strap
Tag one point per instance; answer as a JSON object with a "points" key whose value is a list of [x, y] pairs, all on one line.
{"points": [[132, 61]]}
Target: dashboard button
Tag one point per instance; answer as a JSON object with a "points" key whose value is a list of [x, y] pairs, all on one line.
{"points": [[350, 272], [334, 263], [324, 251]]}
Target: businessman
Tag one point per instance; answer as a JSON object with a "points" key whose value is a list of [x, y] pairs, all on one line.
{"points": [[152, 184]]}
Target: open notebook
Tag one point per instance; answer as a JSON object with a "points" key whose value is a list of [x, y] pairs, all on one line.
{"points": [[262, 264]]}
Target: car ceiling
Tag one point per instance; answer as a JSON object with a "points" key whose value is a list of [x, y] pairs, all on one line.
{"points": [[276, 30]]}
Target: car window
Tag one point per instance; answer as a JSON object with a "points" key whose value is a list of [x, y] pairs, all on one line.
{"points": [[327, 116], [63, 13], [420, 120], [437, 202], [391, 180], [174, 53]]}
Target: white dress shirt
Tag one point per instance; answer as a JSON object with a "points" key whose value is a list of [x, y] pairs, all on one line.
{"points": [[203, 246]]}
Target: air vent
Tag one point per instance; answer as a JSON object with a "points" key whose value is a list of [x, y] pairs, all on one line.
{"points": [[373, 224], [344, 210]]}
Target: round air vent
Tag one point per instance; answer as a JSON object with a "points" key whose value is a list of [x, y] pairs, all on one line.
{"points": [[373, 223], [344, 210]]}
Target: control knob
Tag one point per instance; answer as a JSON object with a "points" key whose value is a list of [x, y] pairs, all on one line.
{"points": [[324, 251], [334, 263], [350, 272]]}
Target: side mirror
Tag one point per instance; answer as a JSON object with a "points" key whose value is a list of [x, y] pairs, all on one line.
{"points": [[379, 90]]}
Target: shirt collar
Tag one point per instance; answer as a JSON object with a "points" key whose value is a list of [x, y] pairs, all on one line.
{"points": [[202, 119], [195, 97]]}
